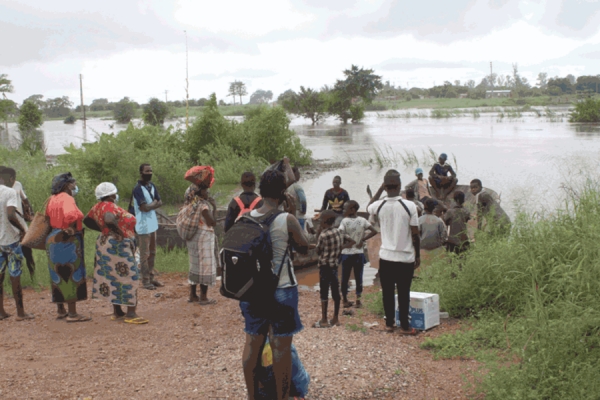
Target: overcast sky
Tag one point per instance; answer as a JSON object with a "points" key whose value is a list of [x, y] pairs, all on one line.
{"points": [[137, 48]]}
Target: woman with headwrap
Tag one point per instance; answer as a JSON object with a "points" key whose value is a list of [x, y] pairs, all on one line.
{"points": [[202, 246], [441, 183], [116, 272], [64, 248]]}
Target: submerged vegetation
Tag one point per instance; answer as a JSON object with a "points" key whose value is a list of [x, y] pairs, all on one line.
{"points": [[586, 111], [532, 302]]}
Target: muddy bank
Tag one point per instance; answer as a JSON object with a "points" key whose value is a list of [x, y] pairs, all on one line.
{"points": [[190, 351]]}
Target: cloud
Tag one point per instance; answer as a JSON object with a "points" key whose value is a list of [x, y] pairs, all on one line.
{"points": [[592, 55], [238, 74], [413, 64]]}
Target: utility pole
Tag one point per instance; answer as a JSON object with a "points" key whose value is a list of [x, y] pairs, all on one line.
{"points": [[491, 79], [82, 105], [166, 91], [187, 86]]}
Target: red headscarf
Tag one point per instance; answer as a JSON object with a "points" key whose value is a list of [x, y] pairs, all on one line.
{"points": [[201, 175]]}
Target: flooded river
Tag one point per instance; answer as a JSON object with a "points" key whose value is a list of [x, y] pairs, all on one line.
{"points": [[525, 159]]}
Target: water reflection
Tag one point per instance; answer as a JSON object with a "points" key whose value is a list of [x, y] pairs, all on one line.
{"points": [[586, 130]]}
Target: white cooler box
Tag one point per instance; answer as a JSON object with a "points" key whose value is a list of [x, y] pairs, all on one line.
{"points": [[424, 310]]}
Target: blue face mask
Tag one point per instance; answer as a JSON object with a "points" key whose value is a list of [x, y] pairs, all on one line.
{"points": [[75, 191]]}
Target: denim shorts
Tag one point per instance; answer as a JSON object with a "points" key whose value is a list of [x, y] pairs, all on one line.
{"points": [[282, 316]]}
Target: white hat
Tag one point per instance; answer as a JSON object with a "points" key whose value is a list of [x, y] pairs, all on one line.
{"points": [[105, 189]]}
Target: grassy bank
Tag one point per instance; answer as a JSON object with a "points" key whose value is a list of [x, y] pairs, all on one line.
{"points": [[529, 305]]}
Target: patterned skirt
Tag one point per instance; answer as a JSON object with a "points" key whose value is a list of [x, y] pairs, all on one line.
{"points": [[66, 265], [203, 262], [116, 272]]}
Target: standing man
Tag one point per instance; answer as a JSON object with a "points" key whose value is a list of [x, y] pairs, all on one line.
{"points": [[497, 221], [297, 193], [145, 201], [11, 255], [247, 201], [334, 199], [399, 253], [24, 213]]}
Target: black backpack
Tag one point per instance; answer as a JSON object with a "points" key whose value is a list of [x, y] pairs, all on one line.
{"points": [[246, 259]]}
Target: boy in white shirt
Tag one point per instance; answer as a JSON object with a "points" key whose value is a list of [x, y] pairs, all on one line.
{"points": [[353, 258]]}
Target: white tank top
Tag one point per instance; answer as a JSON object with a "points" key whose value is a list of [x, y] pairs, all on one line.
{"points": [[280, 239]]}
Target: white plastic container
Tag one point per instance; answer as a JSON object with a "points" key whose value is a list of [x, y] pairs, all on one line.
{"points": [[424, 310]]}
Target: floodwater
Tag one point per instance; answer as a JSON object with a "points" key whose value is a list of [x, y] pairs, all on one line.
{"points": [[526, 159]]}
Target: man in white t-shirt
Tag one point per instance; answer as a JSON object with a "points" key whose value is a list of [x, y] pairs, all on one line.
{"points": [[353, 258], [11, 255], [399, 252], [24, 214]]}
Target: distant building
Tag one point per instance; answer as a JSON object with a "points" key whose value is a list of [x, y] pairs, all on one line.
{"points": [[498, 93], [463, 95]]}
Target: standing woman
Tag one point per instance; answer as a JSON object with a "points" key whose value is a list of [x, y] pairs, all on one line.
{"points": [[64, 247], [116, 273], [201, 247]]}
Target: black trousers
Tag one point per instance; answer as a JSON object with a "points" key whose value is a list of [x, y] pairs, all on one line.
{"points": [[396, 275]]}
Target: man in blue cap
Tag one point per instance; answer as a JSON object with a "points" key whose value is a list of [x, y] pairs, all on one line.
{"points": [[442, 184], [420, 186]]}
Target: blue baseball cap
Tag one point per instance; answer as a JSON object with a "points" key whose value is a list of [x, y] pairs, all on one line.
{"points": [[418, 171], [444, 156]]}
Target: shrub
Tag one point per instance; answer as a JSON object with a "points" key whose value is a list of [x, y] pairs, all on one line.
{"points": [[69, 120], [124, 110], [586, 111], [155, 112]]}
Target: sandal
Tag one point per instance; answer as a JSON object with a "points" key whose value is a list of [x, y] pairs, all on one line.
{"points": [[157, 284], [319, 325], [348, 304], [62, 316], [25, 317], [207, 302], [116, 318], [410, 332], [389, 329], [136, 321], [149, 286], [78, 318]]}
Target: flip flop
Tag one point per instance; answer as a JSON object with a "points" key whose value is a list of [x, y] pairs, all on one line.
{"points": [[410, 332], [116, 318], [318, 325], [27, 317], [62, 316], [136, 321], [4, 317], [79, 318], [207, 302]]}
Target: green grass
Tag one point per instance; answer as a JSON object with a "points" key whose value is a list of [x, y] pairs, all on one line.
{"points": [[476, 103]]}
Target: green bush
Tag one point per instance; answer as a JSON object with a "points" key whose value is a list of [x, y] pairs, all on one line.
{"points": [[155, 112], [69, 120], [533, 297], [124, 110], [586, 111]]}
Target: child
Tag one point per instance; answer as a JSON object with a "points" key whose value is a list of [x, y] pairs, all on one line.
{"points": [[329, 247], [432, 228], [410, 196], [354, 258], [420, 186], [456, 218]]}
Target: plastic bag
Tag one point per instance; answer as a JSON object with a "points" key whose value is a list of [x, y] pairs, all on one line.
{"points": [[300, 378]]}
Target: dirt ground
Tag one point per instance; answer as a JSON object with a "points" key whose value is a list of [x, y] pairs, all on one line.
{"points": [[188, 351]]}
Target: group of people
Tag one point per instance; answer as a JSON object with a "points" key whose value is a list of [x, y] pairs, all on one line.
{"points": [[126, 246]]}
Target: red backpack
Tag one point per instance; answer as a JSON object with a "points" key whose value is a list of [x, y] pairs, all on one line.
{"points": [[243, 209]]}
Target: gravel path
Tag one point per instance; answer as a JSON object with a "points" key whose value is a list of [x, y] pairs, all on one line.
{"points": [[191, 351]]}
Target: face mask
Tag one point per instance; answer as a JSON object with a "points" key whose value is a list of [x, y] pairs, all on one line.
{"points": [[75, 191], [147, 177], [117, 198]]}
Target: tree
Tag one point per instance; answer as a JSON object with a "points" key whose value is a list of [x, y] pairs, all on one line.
{"points": [[261, 96], [588, 83], [471, 84], [339, 104], [37, 100], [5, 84], [571, 79], [232, 90], [99, 105], [124, 110], [30, 118], [240, 89], [155, 112], [586, 111], [542, 80], [5, 104], [456, 83], [361, 83], [58, 107], [557, 86], [286, 100], [310, 104]]}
